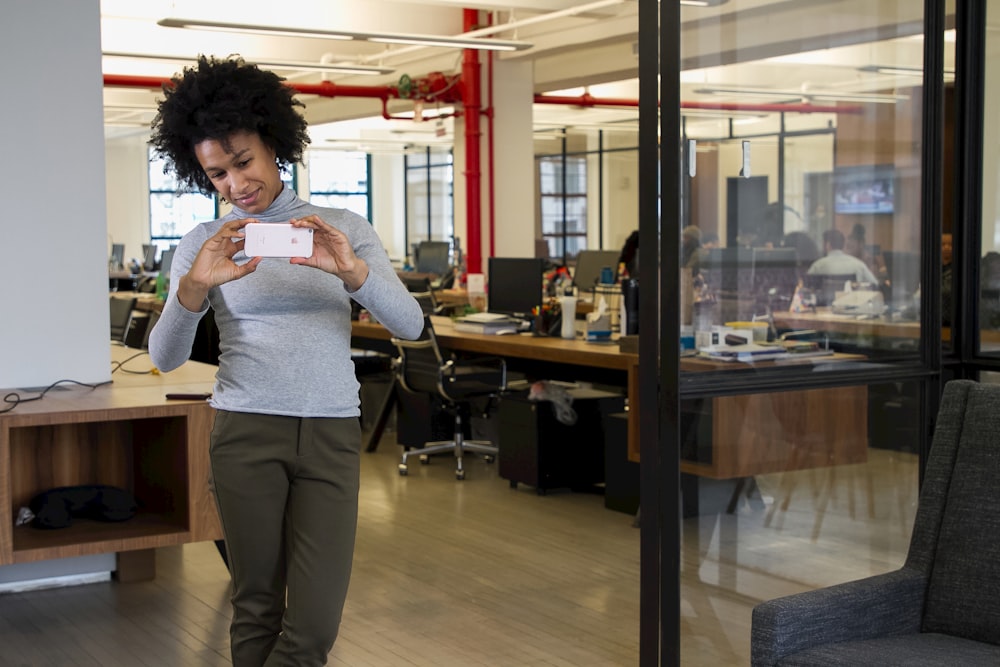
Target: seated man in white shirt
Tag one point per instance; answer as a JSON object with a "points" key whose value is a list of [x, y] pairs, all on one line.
{"points": [[838, 262]]}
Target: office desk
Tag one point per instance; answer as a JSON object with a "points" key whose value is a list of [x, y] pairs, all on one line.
{"points": [[750, 434], [144, 301], [824, 320], [125, 434], [581, 359]]}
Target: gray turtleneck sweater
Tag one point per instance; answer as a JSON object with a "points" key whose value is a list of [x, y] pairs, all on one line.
{"points": [[285, 330]]}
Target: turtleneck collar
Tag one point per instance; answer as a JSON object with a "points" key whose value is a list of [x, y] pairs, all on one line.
{"points": [[281, 209]]}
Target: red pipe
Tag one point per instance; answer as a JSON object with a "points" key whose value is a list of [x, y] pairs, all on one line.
{"points": [[323, 89], [472, 105], [491, 157]]}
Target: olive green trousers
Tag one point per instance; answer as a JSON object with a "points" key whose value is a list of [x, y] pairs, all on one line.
{"points": [[287, 493]]}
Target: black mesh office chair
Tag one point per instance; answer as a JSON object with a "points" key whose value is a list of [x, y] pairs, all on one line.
{"points": [[420, 289], [422, 368]]}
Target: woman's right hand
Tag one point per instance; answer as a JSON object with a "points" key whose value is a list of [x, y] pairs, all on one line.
{"points": [[214, 264]]}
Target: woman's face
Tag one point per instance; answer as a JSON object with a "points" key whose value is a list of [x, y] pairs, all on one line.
{"points": [[243, 171]]}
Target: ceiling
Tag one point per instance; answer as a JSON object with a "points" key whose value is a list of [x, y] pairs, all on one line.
{"points": [[573, 44]]}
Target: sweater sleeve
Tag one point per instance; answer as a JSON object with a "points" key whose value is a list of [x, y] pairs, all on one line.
{"points": [[171, 340], [383, 293]]}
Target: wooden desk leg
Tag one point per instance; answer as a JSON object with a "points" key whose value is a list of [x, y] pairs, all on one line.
{"points": [[388, 403], [139, 565]]}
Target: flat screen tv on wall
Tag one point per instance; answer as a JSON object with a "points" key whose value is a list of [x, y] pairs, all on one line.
{"points": [[864, 189]]}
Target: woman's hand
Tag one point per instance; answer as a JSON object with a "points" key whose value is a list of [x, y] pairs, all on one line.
{"points": [[332, 252], [214, 264]]}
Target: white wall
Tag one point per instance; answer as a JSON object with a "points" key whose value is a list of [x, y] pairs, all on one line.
{"points": [[514, 166], [128, 192], [53, 257]]}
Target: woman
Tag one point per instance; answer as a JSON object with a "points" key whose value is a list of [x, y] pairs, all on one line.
{"points": [[286, 441]]}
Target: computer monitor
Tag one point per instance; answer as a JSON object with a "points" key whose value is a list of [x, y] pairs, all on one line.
{"points": [[903, 271], [515, 285], [589, 263], [728, 271], [433, 257], [148, 256], [166, 259], [117, 256], [775, 275]]}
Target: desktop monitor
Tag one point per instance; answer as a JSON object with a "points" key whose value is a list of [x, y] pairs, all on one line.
{"points": [[589, 263], [166, 258], [515, 285], [727, 272], [903, 271], [434, 257], [117, 256], [148, 257], [775, 275]]}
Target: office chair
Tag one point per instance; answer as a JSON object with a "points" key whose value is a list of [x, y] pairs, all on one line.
{"points": [[121, 317], [422, 368], [420, 289]]}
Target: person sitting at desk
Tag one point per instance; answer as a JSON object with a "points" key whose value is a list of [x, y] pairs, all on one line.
{"points": [[837, 262]]}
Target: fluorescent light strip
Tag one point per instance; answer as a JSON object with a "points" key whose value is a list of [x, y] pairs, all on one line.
{"points": [[487, 44], [811, 95], [341, 68]]}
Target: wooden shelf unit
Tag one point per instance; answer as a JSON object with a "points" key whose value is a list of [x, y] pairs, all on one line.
{"points": [[126, 435]]}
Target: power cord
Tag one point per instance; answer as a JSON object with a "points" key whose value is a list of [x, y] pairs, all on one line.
{"points": [[14, 399], [120, 366]]}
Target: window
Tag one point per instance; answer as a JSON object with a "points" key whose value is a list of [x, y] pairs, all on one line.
{"points": [[340, 179], [172, 213], [430, 198], [563, 193]]}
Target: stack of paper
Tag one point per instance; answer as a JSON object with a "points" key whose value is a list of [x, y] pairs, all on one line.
{"points": [[748, 352], [487, 323]]}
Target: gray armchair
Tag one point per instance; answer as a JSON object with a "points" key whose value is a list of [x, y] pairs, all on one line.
{"points": [[943, 606]]}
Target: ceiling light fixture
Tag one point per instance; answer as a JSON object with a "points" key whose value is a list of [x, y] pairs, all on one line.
{"points": [[337, 68], [899, 70], [809, 95], [460, 42]]}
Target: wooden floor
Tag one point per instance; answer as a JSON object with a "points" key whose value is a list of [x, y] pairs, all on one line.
{"points": [[475, 573]]}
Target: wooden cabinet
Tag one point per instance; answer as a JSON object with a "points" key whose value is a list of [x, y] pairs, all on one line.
{"points": [[127, 435]]}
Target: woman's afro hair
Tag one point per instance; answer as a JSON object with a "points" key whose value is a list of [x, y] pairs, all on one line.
{"points": [[216, 98]]}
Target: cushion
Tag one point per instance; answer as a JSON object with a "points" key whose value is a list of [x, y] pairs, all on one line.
{"points": [[57, 507], [963, 596], [919, 650]]}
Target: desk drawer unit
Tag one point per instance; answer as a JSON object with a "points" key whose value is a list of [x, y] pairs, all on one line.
{"points": [[538, 450]]}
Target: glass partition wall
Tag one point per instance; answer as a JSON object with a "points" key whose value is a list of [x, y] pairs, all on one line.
{"points": [[804, 309]]}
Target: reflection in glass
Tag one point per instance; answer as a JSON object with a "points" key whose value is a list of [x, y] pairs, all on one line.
{"points": [[808, 173]]}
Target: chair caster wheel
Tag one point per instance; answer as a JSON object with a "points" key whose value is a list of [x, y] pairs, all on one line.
{"points": [[459, 475], [402, 470], [424, 459]]}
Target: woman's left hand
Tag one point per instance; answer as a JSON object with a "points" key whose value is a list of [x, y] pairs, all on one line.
{"points": [[332, 252]]}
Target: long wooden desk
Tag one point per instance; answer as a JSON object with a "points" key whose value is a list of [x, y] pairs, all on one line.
{"points": [[878, 327], [541, 349], [125, 434], [750, 434]]}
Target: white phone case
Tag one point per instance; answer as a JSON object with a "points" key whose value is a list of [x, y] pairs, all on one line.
{"points": [[266, 239]]}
